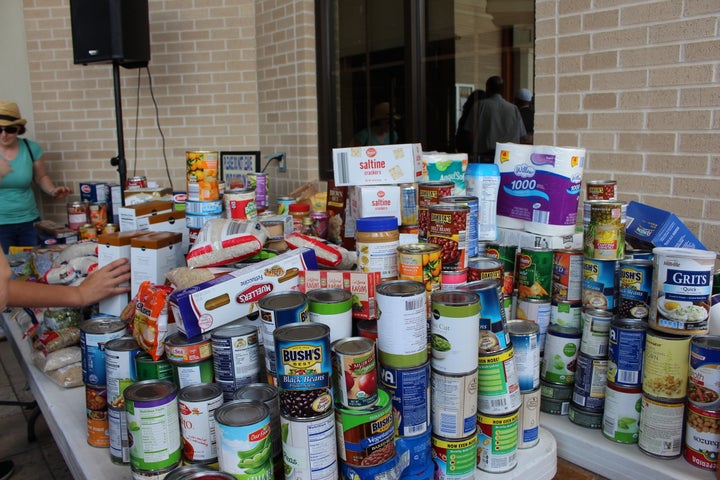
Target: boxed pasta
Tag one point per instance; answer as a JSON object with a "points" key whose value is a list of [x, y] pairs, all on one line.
{"points": [[378, 164], [361, 285], [229, 297]]}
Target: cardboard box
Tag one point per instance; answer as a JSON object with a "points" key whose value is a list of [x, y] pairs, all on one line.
{"points": [[648, 227], [112, 246], [361, 285], [52, 233], [115, 203], [173, 221], [521, 238], [94, 192], [135, 217], [375, 201], [153, 255], [229, 297], [133, 196], [377, 165]]}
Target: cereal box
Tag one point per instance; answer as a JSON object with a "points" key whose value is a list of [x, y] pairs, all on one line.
{"points": [[377, 165]]}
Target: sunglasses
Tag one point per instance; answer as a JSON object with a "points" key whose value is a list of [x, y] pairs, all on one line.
{"points": [[11, 129]]}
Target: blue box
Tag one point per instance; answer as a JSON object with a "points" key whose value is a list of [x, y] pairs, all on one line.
{"points": [[94, 192], [648, 227]]}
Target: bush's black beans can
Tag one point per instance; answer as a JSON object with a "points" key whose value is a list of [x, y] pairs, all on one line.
{"points": [[153, 425], [309, 447], [236, 356], [94, 334], [454, 331], [535, 273], [197, 405], [567, 275], [621, 413], [626, 346], [180, 349], [537, 311], [267, 394], [595, 332], [584, 417], [333, 307], [498, 388], [524, 337], [665, 366], [704, 385], [455, 459], [453, 403], [304, 376], [409, 389], [278, 309], [634, 279], [507, 254], [529, 419], [354, 372], [493, 331], [599, 284], [590, 381], [120, 368], [243, 438], [148, 368], [661, 427], [562, 345], [402, 323], [702, 437], [366, 437], [497, 442], [566, 314]]}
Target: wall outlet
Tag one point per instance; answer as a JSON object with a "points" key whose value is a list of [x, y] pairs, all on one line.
{"points": [[282, 164]]}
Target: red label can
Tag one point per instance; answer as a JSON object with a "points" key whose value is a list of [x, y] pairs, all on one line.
{"points": [[429, 193], [447, 227]]}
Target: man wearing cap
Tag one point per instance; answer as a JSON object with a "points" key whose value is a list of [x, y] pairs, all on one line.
{"points": [[21, 164], [523, 100]]}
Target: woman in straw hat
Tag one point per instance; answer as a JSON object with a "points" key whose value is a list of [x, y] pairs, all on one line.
{"points": [[21, 164], [381, 131]]}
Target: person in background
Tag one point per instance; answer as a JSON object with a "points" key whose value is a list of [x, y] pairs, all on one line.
{"points": [[21, 164], [523, 100], [463, 139], [380, 132], [494, 119]]}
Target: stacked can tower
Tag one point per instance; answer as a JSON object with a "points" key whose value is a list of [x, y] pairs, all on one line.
{"points": [[204, 200], [120, 372]]}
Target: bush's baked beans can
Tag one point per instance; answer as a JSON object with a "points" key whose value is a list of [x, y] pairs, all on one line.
{"points": [[567, 275], [524, 338], [202, 175], [506, 254], [309, 447], [454, 331], [485, 268], [704, 385], [236, 356], [634, 279], [497, 442], [626, 347], [584, 416], [153, 425], [621, 413], [120, 371], [453, 403], [493, 323], [604, 230], [660, 430], [529, 419], [278, 309], [193, 373], [601, 191], [567, 314], [535, 273], [429, 193], [472, 220], [96, 410], [119, 442], [240, 204], [402, 323], [197, 405], [590, 381], [595, 332], [409, 390], [94, 334], [682, 286], [180, 348], [77, 214], [665, 366], [455, 459], [498, 387], [333, 307], [148, 368], [599, 284], [244, 438], [447, 227], [562, 345], [702, 437], [267, 394], [354, 372], [304, 375], [366, 437], [537, 311]]}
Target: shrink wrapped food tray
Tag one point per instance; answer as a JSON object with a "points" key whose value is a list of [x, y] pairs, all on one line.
{"points": [[219, 301]]}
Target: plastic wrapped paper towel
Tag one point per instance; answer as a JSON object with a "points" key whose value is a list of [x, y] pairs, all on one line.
{"points": [[539, 187], [446, 167]]}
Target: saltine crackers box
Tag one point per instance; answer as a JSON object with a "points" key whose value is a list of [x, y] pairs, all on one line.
{"points": [[378, 164]]}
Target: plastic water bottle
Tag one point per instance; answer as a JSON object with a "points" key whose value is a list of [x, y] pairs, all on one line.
{"points": [[482, 180]]}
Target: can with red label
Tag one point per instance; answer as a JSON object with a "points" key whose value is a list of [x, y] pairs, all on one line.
{"points": [[704, 385], [601, 191], [447, 227], [138, 181], [483, 268], [240, 204], [197, 405], [429, 193], [452, 279], [96, 409], [77, 213], [354, 372], [702, 437]]}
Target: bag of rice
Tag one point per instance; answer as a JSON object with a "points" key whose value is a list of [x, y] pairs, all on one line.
{"points": [[222, 241]]}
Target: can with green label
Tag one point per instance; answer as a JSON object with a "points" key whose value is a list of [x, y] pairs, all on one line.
{"points": [[561, 349], [455, 459], [497, 442], [535, 273]]}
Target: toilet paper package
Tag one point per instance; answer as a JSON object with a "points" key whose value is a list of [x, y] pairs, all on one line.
{"points": [[539, 187]]}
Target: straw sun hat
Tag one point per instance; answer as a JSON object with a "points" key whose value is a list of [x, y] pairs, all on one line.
{"points": [[10, 114]]}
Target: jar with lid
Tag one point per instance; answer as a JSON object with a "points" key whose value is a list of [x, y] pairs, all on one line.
{"points": [[376, 242], [308, 227], [320, 220], [298, 211]]}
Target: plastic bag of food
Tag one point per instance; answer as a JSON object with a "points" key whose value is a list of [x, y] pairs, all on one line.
{"points": [[53, 340], [68, 376], [150, 322], [47, 362], [328, 255], [222, 241], [183, 277], [59, 318]]}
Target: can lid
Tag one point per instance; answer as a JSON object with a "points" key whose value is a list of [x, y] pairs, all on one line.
{"points": [[299, 207], [376, 224]]}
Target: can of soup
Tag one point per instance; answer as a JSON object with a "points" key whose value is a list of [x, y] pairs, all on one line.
{"points": [[402, 323], [704, 385], [497, 442], [621, 413], [454, 331]]}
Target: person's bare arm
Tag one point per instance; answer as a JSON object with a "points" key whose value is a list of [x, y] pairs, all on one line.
{"points": [[45, 182], [98, 285]]}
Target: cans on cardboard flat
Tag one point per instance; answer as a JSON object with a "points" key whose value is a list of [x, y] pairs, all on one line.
{"points": [[96, 409], [333, 307], [267, 394], [278, 309], [567, 314], [524, 338], [506, 254], [601, 191], [558, 364], [590, 381], [429, 193], [497, 442], [604, 230], [599, 284], [453, 403], [584, 416], [660, 428], [529, 419], [240, 204], [149, 369], [153, 425], [493, 331], [626, 346], [634, 278], [202, 175], [665, 366], [309, 447], [94, 334], [537, 311], [118, 435], [366, 437], [448, 227], [455, 459], [704, 385], [702, 437], [567, 275], [243, 438], [354, 372], [535, 273], [179, 348], [682, 286], [621, 413], [193, 373], [409, 390], [472, 220], [120, 368], [595, 332], [236, 356], [197, 405], [454, 331], [402, 323], [498, 387]]}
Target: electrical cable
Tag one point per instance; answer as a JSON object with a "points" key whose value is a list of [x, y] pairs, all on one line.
{"points": [[137, 121], [157, 122]]}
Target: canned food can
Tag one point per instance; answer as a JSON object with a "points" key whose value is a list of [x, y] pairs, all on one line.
{"points": [[196, 222], [567, 275], [621, 413], [321, 223], [498, 387], [137, 181], [243, 438], [409, 389], [558, 364], [554, 407], [493, 324], [148, 368], [193, 373], [387, 469], [661, 427], [567, 314], [354, 372], [704, 385], [236, 356], [555, 391], [634, 278], [455, 459], [283, 205], [267, 394], [415, 454], [601, 191], [409, 204], [402, 323], [97, 214], [333, 307], [497, 442], [110, 228], [595, 332], [87, 231], [421, 262], [179, 348], [309, 447], [702, 437], [94, 334], [604, 230], [447, 227], [120, 371], [454, 331], [97, 422], [240, 204], [278, 309], [209, 207], [197, 405], [524, 338], [453, 279], [599, 284], [506, 254], [202, 176], [584, 416], [119, 442], [535, 273], [485, 268], [665, 366], [259, 182], [196, 471], [77, 213], [367, 329], [626, 347], [529, 419], [590, 381], [472, 220], [453, 403], [537, 311], [366, 437], [429, 193]]}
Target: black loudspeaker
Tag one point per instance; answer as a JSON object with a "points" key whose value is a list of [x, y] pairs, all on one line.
{"points": [[107, 31]]}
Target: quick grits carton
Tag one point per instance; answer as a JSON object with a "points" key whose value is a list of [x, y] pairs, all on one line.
{"points": [[361, 285], [229, 297], [378, 165]]}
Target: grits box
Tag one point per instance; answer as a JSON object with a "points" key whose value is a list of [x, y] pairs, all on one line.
{"points": [[360, 284], [229, 297], [649, 227], [378, 165]]}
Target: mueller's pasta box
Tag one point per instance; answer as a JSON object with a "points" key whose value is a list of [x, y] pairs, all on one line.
{"points": [[378, 165], [361, 285], [226, 298]]}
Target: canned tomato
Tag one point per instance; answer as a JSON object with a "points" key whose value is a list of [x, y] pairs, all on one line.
{"points": [[702, 437], [601, 191], [120, 371], [409, 204], [524, 337], [197, 405], [366, 437], [236, 356], [682, 286], [584, 416], [153, 425], [498, 387], [704, 385], [535, 273], [497, 442], [429, 193], [665, 366], [529, 419], [537, 311], [453, 403], [243, 438], [278, 309], [454, 331], [96, 409], [660, 428], [354, 372], [333, 307], [599, 284], [77, 213], [506, 254], [240, 204], [567, 275], [402, 323], [309, 447], [567, 314], [626, 347], [604, 230], [94, 334], [590, 381], [202, 176], [455, 459], [472, 220], [558, 364], [485, 268], [595, 332], [180, 348], [493, 331], [621, 413], [447, 227], [634, 278], [409, 389]]}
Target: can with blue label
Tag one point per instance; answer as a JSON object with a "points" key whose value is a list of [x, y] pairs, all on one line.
{"points": [[409, 389], [634, 279], [598, 285], [493, 332], [626, 347], [415, 454], [278, 309], [590, 382], [529, 419], [524, 338], [94, 334]]}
